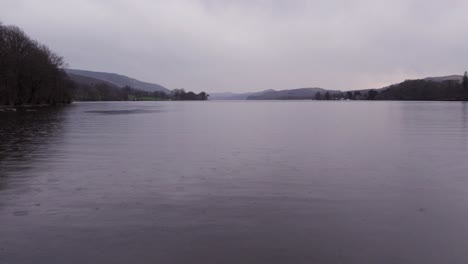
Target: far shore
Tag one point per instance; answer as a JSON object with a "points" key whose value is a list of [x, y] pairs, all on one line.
{"points": [[14, 108]]}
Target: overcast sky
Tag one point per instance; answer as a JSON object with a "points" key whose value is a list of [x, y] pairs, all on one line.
{"points": [[251, 45]]}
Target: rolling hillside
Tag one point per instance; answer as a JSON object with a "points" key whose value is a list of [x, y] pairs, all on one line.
{"points": [[120, 80]]}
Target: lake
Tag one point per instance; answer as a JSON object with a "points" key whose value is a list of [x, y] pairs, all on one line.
{"points": [[235, 182]]}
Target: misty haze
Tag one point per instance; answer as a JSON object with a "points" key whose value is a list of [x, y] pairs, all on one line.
{"points": [[202, 131]]}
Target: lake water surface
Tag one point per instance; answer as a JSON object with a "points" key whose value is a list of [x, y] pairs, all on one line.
{"points": [[235, 182]]}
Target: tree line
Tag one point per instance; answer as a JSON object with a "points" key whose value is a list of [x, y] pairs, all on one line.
{"points": [[180, 94], [106, 92], [30, 73], [350, 95]]}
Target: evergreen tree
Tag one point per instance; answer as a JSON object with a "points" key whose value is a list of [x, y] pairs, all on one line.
{"points": [[465, 81], [318, 96], [372, 94]]}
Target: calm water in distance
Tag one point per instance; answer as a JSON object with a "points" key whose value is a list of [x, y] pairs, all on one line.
{"points": [[235, 182]]}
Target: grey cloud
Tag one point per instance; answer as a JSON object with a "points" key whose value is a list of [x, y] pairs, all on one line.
{"points": [[252, 45]]}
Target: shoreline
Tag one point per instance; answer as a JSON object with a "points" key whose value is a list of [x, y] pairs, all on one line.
{"points": [[14, 108]]}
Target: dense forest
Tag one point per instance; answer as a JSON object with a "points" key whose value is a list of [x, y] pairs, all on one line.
{"points": [[30, 73]]}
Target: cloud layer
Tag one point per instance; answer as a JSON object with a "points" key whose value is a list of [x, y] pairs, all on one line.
{"points": [[249, 45]]}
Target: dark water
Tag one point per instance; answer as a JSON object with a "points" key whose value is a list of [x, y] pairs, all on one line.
{"points": [[235, 182]]}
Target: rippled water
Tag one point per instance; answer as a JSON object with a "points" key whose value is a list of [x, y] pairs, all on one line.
{"points": [[235, 182]]}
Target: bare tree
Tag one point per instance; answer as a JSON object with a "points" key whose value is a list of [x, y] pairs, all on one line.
{"points": [[29, 72]]}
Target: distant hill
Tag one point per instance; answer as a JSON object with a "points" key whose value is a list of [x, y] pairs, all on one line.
{"points": [[294, 94], [430, 88], [445, 78], [91, 89], [81, 80], [448, 88], [119, 80], [234, 96], [86, 88]]}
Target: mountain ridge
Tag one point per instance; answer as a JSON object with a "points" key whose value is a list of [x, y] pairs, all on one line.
{"points": [[309, 93], [119, 80]]}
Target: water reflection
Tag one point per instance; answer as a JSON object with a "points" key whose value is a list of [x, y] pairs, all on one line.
{"points": [[25, 138], [124, 112], [465, 117]]}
